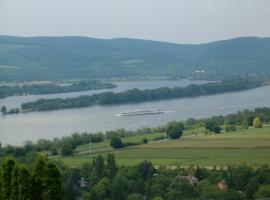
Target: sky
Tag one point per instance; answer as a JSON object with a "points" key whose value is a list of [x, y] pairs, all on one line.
{"points": [[177, 21]]}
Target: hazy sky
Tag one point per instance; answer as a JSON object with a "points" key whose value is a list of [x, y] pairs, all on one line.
{"points": [[180, 21]]}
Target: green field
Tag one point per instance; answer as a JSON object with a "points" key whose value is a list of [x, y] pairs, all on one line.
{"points": [[251, 146]]}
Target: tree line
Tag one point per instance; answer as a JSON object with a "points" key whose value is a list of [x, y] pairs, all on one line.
{"points": [[240, 120], [103, 179], [67, 144], [44, 182], [136, 95], [50, 88]]}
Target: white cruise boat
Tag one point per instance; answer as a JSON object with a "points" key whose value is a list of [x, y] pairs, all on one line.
{"points": [[140, 112]]}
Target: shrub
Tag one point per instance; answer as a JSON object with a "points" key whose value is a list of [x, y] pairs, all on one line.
{"points": [[175, 130], [116, 143], [67, 149], [145, 140]]}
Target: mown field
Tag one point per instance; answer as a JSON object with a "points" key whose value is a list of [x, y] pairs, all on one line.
{"points": [[251, 146]]}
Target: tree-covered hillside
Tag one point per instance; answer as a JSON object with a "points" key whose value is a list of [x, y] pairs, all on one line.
{"points": [[39, 58]]}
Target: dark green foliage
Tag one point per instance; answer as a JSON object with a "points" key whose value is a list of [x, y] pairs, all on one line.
{"points": [[175, 130], [6, 91], [116, 143], [181, 188], [38, 178], [111, 166], [45, 182], [239, 177], [230, 127], [43, 144], [201, 173], [102, 190], [6, 177], [67, 149], [146, 170], [145, 141], [72, 184], [135, 196], [137, 182], [53, 151], [263, 192], [213, 126], [208, 192], [15, 184], [98, 169], [158, 185], [24, 184], [136, 95], [119, 188], [158, 198], [21, 188], [52, 183]]}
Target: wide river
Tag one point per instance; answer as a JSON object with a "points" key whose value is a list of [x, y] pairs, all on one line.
{"points": [[15, 129]]}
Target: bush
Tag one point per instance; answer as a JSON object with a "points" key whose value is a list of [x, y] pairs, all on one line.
{"points": [[175, 130], [67, 149], [230, 127], [53, 151], [213, 126], [116, 143], [145, 141], [257, 122], [263, 192]]}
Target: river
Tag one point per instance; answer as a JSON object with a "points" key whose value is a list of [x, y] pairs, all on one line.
{"points": [[15, 129]]}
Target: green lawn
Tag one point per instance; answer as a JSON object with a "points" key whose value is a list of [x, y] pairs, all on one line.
{"points": [[251, 146], [106, 144]]}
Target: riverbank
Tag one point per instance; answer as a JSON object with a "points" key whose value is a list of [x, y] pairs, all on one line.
{"points": [[250, 146]]}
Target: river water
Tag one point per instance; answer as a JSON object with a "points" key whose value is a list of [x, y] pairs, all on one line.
{"points": [[15, 129]]}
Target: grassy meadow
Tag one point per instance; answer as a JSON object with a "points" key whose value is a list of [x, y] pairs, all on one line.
{"points": [[250, 146]]}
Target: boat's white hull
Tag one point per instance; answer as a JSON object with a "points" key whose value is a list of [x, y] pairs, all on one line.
{"points": [[140, 113]]}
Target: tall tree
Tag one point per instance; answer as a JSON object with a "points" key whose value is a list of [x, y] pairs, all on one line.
{"points": [[14, 184], [24, 184], [72, 184], [119, 188], [37, 178], [111, 166], [98, 169], [146, 169], [52, 183], [102, 190], [6, 177]]}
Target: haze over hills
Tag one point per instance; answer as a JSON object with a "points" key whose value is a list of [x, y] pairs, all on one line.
{"points": [[50, 58]]}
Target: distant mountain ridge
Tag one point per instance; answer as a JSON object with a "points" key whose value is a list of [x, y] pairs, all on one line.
{"points": [[43, 58]]}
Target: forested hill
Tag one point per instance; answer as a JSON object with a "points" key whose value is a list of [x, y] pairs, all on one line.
{"points": [[39, 58]]}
